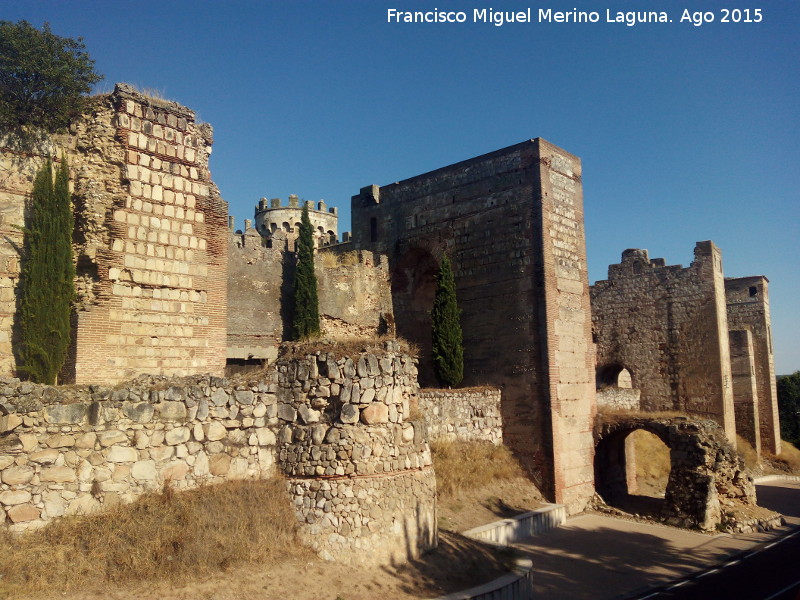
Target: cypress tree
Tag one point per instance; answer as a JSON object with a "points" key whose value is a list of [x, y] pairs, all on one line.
{"points": [[447, 348], [47, 278], [306, 305]]}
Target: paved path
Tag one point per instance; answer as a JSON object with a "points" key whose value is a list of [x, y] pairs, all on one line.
{"points": [[597, 557]]}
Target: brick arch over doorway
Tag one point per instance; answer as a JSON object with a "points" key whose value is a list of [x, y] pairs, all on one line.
{"points": [[706, 473]]}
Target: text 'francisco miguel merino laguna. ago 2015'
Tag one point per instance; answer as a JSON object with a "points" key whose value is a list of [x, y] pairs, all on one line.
{"points": [[548, 15]]}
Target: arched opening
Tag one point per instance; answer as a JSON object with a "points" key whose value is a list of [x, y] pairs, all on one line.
{"points": [[286, 226], [613, 375], [273, 227], [631, 469]]}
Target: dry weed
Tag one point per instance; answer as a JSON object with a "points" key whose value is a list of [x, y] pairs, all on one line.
{"points": [[652, 462], [788, 461], [161, 536], [747, 453], [345, 347], [468, 465]]}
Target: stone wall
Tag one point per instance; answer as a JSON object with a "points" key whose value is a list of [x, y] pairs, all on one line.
{"points": [[472, 415], [512, 224], [352, 287], [150, 241], [619, 398], [358, 471], [748, 309], [667, 326], [745, 390]]}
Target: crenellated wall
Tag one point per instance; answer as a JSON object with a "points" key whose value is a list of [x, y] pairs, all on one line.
{"points": [[352, 286], [667, 326], [358, 471]]}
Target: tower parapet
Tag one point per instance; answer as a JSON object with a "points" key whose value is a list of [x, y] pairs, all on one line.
{"points": [[272, 216]]}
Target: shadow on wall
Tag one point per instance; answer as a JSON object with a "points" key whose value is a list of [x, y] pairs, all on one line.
{"points": [[288, 268]]}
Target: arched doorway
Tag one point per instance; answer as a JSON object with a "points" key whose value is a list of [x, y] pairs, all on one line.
{"points": [[632, 468], [613, 375]]}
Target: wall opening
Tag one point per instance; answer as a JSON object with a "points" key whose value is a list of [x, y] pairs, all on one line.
{"points": [[243, 365], [613, 375], [632, 470]]}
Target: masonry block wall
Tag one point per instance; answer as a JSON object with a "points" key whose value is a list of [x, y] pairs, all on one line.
{"points": [[667, 325], [161, 281], [352, 286], [150, 241], [745, 390], [748, 309], [467, 414], [512, 223]]}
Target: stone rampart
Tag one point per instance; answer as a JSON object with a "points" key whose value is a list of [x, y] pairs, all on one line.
{"points": [[359, 473], [667, 326], [748, 310], [150, 241], [469, 414], [353, 288], [511, 222]]}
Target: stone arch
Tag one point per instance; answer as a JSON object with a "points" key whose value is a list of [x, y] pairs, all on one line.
{"points": [[614, 469], [704, 467]]}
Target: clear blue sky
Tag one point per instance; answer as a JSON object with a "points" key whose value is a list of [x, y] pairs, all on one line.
{"points": [[686, 133]]}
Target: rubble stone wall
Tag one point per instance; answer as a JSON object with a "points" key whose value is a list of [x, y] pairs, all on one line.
{"points": [[748, 309], [512, 224], [707, 478], [472, 415], [358, 471], [667, 325], [618, 398]]}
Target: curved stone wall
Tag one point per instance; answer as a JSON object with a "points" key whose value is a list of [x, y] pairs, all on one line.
{"points": [[358, 472]]}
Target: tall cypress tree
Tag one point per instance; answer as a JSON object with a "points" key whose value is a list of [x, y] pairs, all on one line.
{"points": [[306, 304], [447, 348], [47, 278]]}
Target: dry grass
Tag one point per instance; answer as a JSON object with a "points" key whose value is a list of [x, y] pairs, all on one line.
{"points": [[345, 347], [468, 465], [788, 461], [747, 453], [333, 260], [652, 463], [170, 536]]}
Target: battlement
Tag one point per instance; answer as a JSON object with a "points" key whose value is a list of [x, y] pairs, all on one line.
{"points": [[637, 260], [272, 216]]}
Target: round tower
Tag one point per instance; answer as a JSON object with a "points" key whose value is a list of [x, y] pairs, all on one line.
{"points": [[272, 216]]}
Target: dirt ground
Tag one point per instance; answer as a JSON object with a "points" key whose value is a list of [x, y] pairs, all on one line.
{"points": [[457, 564]]}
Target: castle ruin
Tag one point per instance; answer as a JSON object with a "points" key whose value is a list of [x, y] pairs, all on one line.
{"points": [[690, 341], [167, 288]]}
